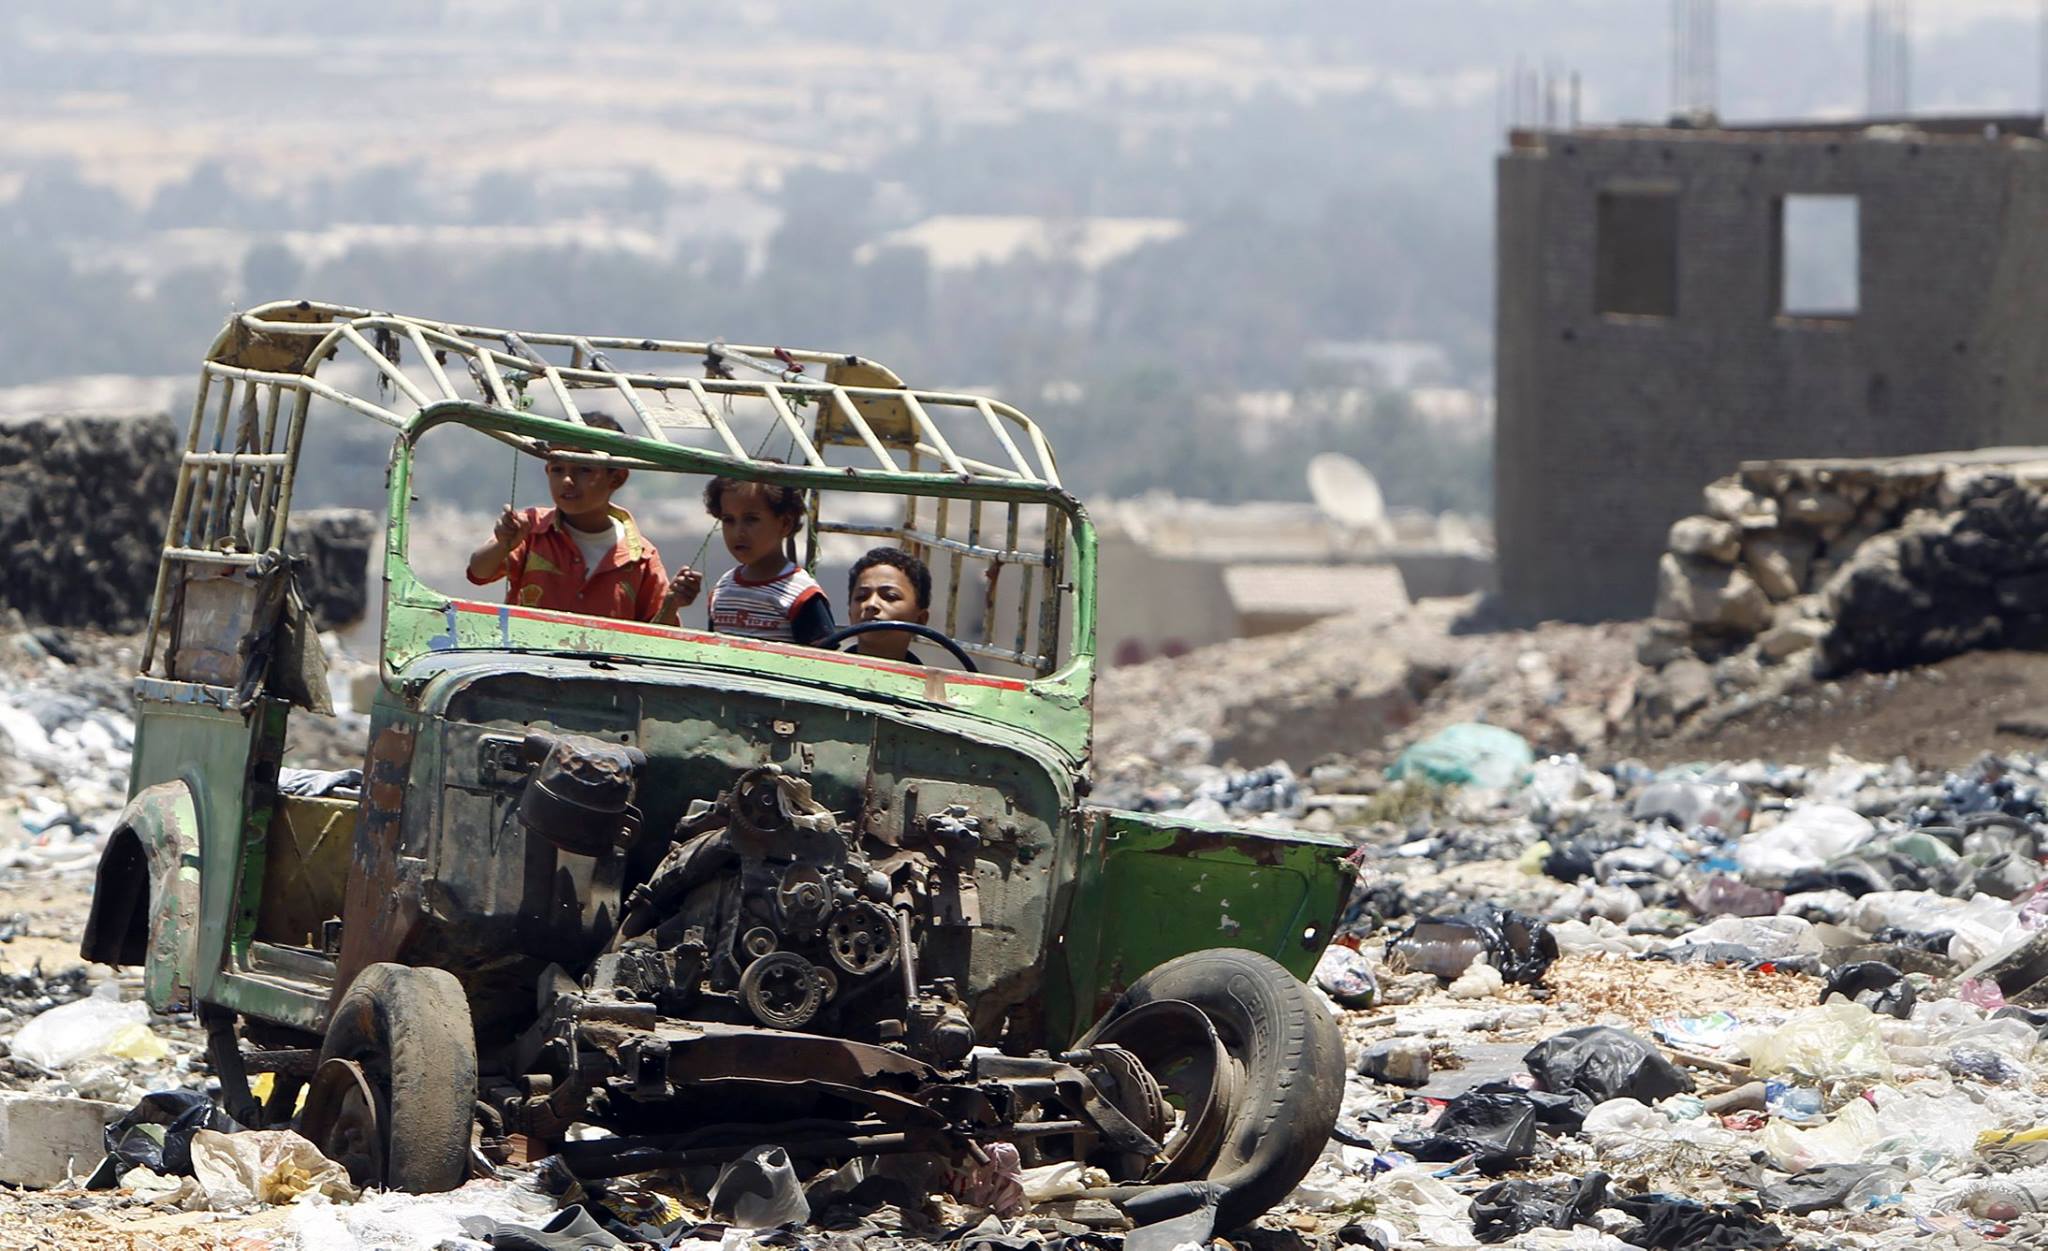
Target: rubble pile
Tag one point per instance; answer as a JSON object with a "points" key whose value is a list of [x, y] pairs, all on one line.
{"points": [[1798, 570], [83, 500], [82, 506], [1357, 687]]}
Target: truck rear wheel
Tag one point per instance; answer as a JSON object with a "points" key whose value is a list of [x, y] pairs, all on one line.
{"points": [[1289, 1059], [395, 1092]]}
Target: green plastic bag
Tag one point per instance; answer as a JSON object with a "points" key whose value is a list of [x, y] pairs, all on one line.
{"points": [[1467, 755]]}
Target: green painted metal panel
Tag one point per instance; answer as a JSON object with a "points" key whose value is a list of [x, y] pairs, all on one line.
{"points": [[183, 735], [1152, 888]]}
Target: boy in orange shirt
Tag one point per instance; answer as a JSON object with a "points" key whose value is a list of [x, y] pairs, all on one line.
{"points": [[584, 555]]}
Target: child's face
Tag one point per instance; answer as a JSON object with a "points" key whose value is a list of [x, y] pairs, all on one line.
{"points": [[884, 593], [752, 531], [581, 490]]}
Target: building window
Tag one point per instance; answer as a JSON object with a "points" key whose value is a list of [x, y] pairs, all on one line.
{"points": [[1635, 268], [1818, 256]]}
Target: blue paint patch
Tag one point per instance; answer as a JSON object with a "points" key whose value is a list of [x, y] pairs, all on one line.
{"points": [[444, 642], [505, 625]]}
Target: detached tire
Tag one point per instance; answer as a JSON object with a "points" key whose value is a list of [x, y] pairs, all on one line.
{"points": [[408, 1029], [1292, 1059]]}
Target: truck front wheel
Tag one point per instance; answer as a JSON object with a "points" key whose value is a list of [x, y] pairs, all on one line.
{"points": [[1282, 1099], [395, 1092]]}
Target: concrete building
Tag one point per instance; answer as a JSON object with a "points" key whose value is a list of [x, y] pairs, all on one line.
{"points": [[1673, 302], [1174, 574]]}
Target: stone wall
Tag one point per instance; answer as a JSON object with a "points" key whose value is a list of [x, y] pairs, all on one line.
{"points": [[1611, 421], [83, 501], [1798, 569]]}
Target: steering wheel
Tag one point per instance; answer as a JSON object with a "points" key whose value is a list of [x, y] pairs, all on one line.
{"points": [[843, 633]]}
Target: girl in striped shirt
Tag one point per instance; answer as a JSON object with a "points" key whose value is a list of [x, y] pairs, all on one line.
{"points": [[767, 595]]}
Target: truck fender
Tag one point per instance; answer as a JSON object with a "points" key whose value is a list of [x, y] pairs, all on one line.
{"points": [[145, 900]]}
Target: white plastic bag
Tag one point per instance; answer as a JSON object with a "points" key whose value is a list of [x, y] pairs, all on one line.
{"points": [[263, 1166], [65, 1035], [1838, 1041], [1846, 1139], [1807, 838]]}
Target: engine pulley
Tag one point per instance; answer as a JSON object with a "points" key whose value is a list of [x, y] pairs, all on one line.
{"points": [[861, 939], [783, 990]]}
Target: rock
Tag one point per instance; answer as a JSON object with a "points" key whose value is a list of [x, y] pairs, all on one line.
{"points": [[44, 1139], [1396, 1061], [1736, 673], [1715, 599], [1788, 639], [1736, 504], [83, 500], [1685, 686], [1661, 641], [1705, 538], [1826, 512], [1778, 563]]}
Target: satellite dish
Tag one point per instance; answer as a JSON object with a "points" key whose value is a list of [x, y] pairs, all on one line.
{"points": [[1347, 493]]}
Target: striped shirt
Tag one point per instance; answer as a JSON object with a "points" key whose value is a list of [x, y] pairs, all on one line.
{"points": [[762, 610]]}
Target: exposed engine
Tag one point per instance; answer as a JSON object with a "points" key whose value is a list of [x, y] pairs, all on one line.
{"points": [[768, 910]]}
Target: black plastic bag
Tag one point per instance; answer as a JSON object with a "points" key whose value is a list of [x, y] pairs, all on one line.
{"points": [[1497, 1128], [1520, 947], [157, 1133], [1827, 1186], [1874, 984], [1510, 1208], [1572, 859], [1604, 1063], [1564, 1110], [1672, 1223]]}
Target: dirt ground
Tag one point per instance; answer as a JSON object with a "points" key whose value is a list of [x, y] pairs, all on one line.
{"points": [[1942, 716]]}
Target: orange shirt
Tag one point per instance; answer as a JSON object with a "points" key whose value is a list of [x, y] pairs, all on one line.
{"points": [[546, 570]]}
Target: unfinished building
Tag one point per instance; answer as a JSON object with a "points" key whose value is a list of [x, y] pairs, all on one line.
{"points": [[1675, 301]]}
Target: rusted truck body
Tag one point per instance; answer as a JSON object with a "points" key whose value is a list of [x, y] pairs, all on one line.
{"points": [[701, 891]]}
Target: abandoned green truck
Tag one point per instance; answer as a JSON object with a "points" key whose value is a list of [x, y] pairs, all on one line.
{"points": [[697, 892]]}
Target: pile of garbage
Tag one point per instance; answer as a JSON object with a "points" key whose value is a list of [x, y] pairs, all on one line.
{"points": [[67, 731], [1723, 1005]]}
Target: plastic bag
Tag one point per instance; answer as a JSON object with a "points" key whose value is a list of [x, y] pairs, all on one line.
{"points": [[1508, 1208], [1422, 1209], [1978, 927], [1768, 938], [1673, 1223], [157, 1132], [1874, 984], [1346, 976], [1563, 785], [65, 1035], [1828, 1186], [1519, 947], [1470, 754], [1708, 1033], [263, 1166], [1604, 1063], [1807, 838], [1837, 1041], [1496, 1128], [1847, 1139], [1686, 804], [1721, 895], [760, 1191], [1396, 1061]]}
